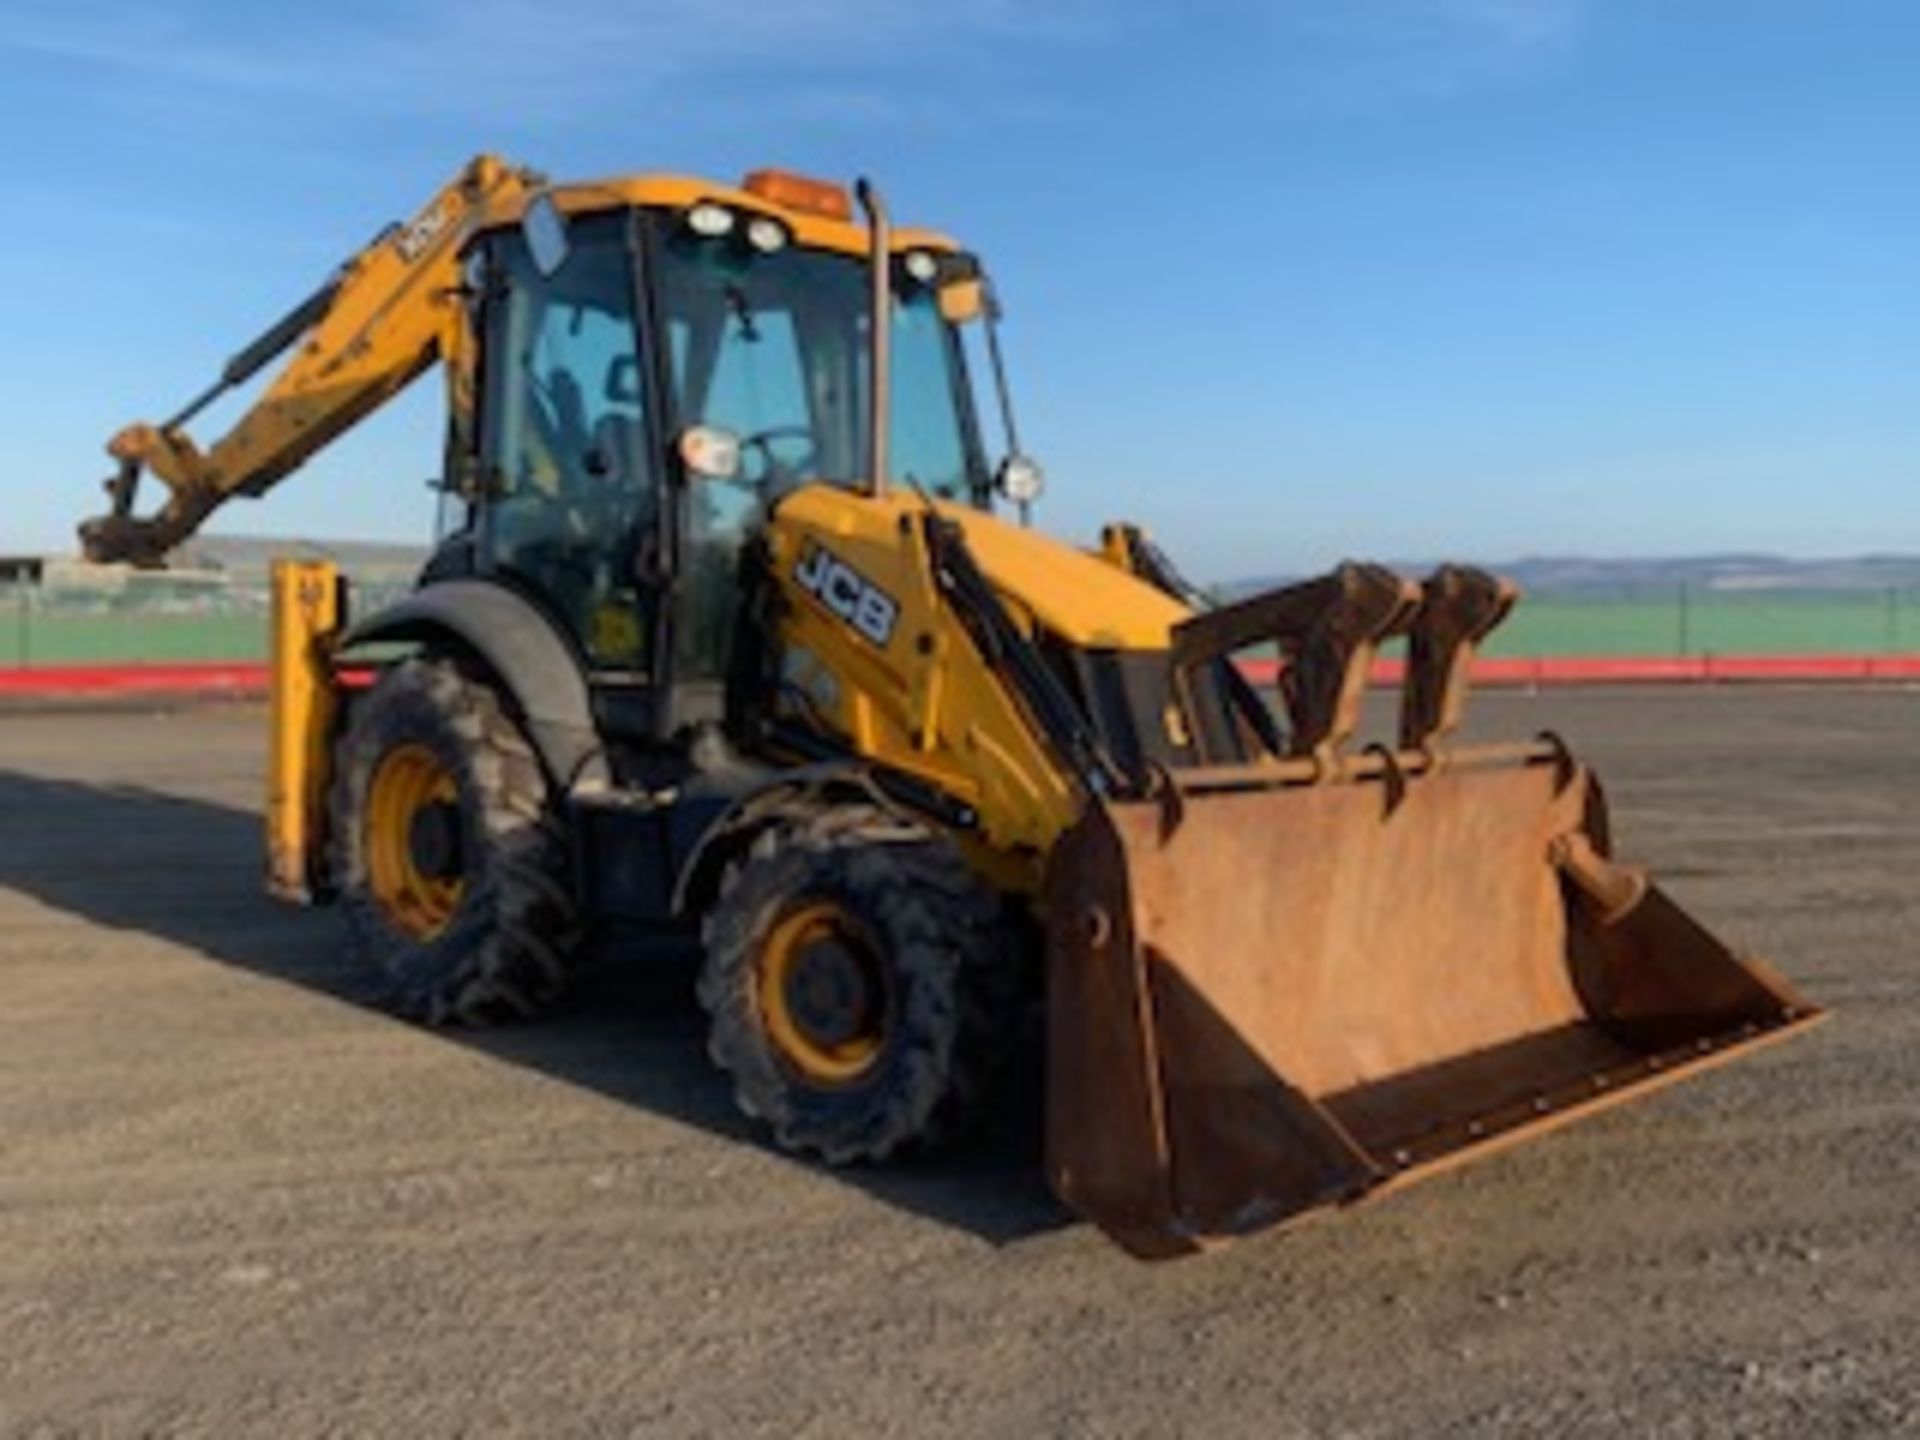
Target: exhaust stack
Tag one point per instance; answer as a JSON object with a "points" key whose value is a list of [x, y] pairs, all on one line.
{"points": [[881, 336]]}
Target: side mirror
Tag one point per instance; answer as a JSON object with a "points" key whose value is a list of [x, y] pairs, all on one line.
{"points": [[544, 229], [1020, 479], [961, 301], [961, 287], [710, 453]]}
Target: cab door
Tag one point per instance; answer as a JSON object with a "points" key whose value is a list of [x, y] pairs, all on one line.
{"points": [[571, 472]]}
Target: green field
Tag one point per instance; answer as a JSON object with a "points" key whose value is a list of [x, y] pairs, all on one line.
{"points": [[1888, 622], [36, 639], [1849, 624]]}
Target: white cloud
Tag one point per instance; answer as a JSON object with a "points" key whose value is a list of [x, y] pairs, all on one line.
{"points": [[466, 59], [449, 56]]}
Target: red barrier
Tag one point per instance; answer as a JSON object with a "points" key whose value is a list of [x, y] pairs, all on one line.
{"points": [[221, 679], [106, 680]]}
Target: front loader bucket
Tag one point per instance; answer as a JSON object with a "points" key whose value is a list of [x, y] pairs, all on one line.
{"points": [[1264, 1000], [1282, 986]]}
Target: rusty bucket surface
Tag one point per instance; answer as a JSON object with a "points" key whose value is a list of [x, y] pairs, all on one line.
{"points": [[1272, 989]]}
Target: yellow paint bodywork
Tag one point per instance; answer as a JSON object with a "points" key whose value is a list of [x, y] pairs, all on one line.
{"points": [[1113, 548], [1069, 592], [926, 702], [304, 619]]}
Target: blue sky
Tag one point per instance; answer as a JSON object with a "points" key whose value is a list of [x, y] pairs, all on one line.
{"points": [[1287, 279]]}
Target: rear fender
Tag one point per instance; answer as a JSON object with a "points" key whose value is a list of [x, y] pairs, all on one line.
{"points": [[522, 650], [488, 625]]}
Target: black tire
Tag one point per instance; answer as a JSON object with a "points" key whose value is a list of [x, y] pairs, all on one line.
{"points": [[509, 947], [951, 967]]}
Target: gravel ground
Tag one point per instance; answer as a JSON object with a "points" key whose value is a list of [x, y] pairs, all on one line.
{"points": [[236, 1199]]}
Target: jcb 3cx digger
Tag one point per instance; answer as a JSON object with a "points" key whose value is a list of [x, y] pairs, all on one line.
{"points": [[731, 638]]}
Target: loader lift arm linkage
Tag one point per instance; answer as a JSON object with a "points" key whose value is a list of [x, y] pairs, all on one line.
{"points": [[379, 322]]}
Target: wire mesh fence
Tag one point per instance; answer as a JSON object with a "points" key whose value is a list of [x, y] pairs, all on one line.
{"points": [[155, 619], [140, 620], [1684, 622]]}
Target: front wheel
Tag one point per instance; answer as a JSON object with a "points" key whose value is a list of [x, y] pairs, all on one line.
{"points": [[451, 865], [859, 979]]}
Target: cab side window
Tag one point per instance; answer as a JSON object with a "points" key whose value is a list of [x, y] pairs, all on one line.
{"points": [[572, 487]]}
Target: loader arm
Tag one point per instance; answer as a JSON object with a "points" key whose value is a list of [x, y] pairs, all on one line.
{"points": [[380, 321]]}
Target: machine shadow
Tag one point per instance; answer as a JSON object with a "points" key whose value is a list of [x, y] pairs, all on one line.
{"points": [[187, 871]]}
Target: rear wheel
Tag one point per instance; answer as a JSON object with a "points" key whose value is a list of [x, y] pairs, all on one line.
{"points": [[451, 866], [859, 979]]}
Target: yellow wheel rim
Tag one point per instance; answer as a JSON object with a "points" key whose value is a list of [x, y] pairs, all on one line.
{"points": [[824, 993], [408, 784]]}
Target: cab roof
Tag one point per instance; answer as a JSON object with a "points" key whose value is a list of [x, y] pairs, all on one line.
{"points": [[680, 192]]}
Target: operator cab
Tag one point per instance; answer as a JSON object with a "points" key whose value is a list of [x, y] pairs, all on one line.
{"points": [[619, 343]]}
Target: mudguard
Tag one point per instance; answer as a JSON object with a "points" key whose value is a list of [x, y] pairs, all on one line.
{"points": [[525, 651]]}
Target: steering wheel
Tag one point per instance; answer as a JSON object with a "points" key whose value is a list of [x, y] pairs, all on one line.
{"points": [[777, 475]]}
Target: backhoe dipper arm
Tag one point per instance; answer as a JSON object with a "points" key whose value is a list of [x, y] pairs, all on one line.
{"points": [[381, 320]]}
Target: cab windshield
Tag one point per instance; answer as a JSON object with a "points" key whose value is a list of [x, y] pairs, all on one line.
{"points": [[770, 346], [773, 347]]}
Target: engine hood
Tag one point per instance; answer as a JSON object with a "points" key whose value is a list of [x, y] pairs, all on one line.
{"points": [[1077, 596], [1081, 598]]}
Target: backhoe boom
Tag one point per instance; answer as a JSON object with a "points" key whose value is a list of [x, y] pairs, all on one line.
{"points": [[382, 319]]}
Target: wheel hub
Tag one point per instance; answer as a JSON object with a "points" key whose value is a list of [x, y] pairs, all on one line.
{"points": [[831, 993], [824, 992], [412, 838], [433, 839]]}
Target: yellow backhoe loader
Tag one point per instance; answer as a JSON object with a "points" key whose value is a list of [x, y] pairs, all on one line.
{"points": [[730, 639]]}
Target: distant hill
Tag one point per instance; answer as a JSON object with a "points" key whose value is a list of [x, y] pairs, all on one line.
{"points": [[1734, 572], [246, 557], [1727, 574]]}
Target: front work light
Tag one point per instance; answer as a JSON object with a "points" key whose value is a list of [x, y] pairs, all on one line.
{"points": [[921, 266], [766, 234], [710, 220], [1020, 479]]}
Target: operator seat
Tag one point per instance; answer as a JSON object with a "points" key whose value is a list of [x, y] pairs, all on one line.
{"points": [[571, 436], [615, 459]]}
